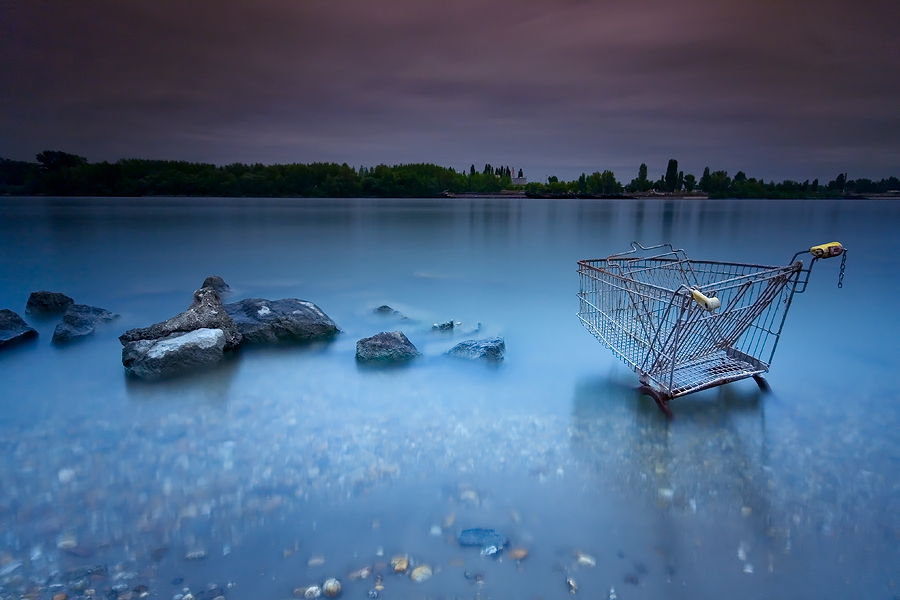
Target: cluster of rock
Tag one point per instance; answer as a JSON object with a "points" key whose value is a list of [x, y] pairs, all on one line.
{"points": [[78, 320], [208, 328], [395, 347]]}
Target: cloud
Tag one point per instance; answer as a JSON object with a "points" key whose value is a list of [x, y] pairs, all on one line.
{"points": [[784, 90]]}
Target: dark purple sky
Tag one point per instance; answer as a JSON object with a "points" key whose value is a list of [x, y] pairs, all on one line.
{"points": [[779, 89]]}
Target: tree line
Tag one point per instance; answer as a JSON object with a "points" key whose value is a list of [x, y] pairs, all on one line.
{"points": [[58, 173], [716, 184]]}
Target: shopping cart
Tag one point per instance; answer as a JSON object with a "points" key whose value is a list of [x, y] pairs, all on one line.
{"points": [[687, 325]]}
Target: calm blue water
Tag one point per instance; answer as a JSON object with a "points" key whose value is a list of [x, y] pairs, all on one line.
{"points": [[284, 453]]}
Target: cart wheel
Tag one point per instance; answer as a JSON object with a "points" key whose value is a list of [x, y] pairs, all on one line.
{"points": [[764, 386], [661, 401]]}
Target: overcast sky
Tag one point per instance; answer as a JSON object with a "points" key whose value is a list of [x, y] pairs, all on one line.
{"points": [[778, 89]]}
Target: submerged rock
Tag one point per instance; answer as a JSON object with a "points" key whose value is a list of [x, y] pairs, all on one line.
{"points": [[483, 538], [47, 303], [490, 349], [14, 329], [217, 283], [205, 312], [387, 346], [173, 353], [81, 320], [266, 321]]}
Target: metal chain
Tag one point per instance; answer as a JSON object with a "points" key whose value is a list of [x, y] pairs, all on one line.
{"points": [[841, 276]]}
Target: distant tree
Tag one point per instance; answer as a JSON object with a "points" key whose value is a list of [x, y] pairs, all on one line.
{"points": [[740, 177], [680, 184], [472, 170], [690, 182], [671, 177], [704, 180], [719, 183], [838, 183], [553, 179], [642, 172], [54, 160], [582, 183], [814, 186]]}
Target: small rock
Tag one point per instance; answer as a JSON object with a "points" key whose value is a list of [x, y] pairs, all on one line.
{"points": [[400, 564], [421, 573], [9, 568], [316, 560], [196, 555], [517, 553], [448, 326], [363, 573], [13, 329], [483, 538], [435, 531], [79, 585], [387, 347], [65, 476], [60, 596], [85, 572], [47, 303], [79, 321], [585, 560], [572, 585], [373, 593], [331, 588], [491, 349]]}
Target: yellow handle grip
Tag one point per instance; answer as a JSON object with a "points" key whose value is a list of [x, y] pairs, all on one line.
{"points": [[827, 250], [709, 304]]}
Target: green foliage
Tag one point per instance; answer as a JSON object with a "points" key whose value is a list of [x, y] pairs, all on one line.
{"points": [[63, 174]]}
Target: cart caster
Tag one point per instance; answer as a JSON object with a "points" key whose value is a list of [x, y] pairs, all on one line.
{"points": [[764, 386], [661, 401]]}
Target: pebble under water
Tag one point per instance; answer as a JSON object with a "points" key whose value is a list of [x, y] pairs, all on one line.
{"points": [[284, 467]]}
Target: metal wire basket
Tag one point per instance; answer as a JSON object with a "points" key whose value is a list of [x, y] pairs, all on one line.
{"points": [[686, 325]]}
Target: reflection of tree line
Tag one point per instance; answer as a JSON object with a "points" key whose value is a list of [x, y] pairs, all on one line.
{"points": [[63, 174]]}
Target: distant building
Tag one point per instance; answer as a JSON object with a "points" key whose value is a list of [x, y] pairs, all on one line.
{"points": [[519, 180]]}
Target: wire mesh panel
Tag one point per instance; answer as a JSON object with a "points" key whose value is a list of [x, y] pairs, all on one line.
{"points": [[644, 309]]}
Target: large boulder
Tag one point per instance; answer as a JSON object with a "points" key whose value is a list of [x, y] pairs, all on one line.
{"points": [[151, 358], [205, 312], [388, 347], [217, 283], [13, 329], [265, 321], [488, 349], [81, 320], [47, 303]]}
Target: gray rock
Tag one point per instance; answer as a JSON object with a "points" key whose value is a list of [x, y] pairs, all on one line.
{"points": [[13, 329], [483, 537], [490, 349], [81, 320], [217, 283], [390, 346], [205, 312], [149, 359], [47, 303], [265, 321]]}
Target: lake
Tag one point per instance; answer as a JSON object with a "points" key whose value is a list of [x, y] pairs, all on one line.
{"points": [[284, 466]]}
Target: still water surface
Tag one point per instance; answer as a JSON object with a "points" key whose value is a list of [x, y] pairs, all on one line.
{"points": [[279, 455]]}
